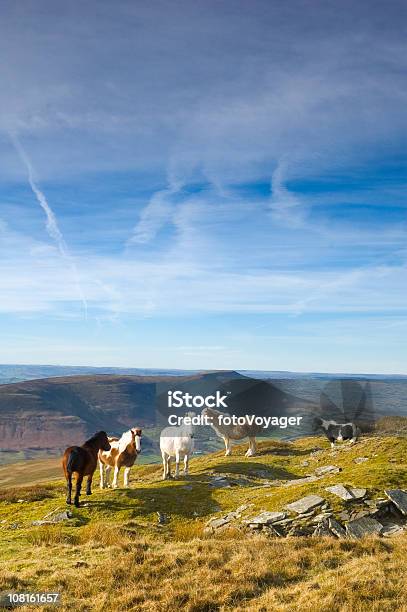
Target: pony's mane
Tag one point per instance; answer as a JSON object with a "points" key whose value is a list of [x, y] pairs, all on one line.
{"points": [[125, 440], [95, 437]]}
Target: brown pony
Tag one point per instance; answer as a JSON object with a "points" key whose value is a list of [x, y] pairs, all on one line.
{"points": [[123, 453], [83, 460]]}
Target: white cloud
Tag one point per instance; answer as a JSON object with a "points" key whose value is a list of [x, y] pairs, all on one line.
{"points": [[32, 280]]}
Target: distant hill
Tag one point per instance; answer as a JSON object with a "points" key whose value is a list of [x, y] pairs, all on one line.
{"points": [[10, 373], [49, 413], [53, 412]]}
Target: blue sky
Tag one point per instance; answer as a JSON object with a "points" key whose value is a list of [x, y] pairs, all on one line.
{"points": [[204, 185]]}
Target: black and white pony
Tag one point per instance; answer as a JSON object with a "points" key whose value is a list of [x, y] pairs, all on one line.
{"points": [[337, 432]]}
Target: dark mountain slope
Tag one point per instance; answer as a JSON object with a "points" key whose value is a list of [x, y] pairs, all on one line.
{"points": [[51, 413]]}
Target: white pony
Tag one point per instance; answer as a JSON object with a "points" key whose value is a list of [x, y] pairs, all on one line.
{"points": [[177, 442], [123, 453]]}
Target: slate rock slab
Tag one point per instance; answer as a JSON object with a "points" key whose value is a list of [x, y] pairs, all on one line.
{"points": [[340, 491], [299, 481], [267, 518], [347, 494], [219, 482], [322, 530], [336, 528], [399, 499], [363, 526], [305, 504], [283, 522], [391, 529], [217, 523], [53, 519], [320, 517], [360, 513], [358, 493], [327, 469]]}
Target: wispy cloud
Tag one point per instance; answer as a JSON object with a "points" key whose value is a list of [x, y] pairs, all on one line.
{"points": [[52, 223], [156, 213], [287, 208]]}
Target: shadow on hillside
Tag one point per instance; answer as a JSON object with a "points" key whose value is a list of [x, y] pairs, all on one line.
{"points": [[255, 470], [185, 498], [285, 451]]}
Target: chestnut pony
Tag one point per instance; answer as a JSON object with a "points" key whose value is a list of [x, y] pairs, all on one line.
{"points": [[82, 460]]}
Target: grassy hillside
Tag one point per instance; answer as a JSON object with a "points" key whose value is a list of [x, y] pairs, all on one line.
{"points": [[127, 560]]}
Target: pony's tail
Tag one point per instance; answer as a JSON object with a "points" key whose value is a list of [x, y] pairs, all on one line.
{"points": [[72, 462]]}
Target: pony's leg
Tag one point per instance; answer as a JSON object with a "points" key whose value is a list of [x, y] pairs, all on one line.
{"points": [[102, 475], [126, 476], [69, 489], [186, 462], [107, 476], [176, 464], [252, 447], [228, 446], [89, 485], [163, 455], [78, 490], [168, 461], [115, 477]]}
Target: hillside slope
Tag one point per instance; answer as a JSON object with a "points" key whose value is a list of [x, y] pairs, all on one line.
{"points": [[168, 563]]}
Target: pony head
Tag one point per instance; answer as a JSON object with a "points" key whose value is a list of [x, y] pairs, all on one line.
{"points": [[137, 438], [102, 440]]}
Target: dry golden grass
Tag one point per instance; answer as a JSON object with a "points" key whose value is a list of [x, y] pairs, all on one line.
{"points": [[111, 570]]}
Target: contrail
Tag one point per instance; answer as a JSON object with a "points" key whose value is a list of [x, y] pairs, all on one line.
{"points": [[52, 223]]}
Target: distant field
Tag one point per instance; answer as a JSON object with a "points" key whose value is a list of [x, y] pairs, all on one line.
{"points": [[35, 471], [29, 472]]}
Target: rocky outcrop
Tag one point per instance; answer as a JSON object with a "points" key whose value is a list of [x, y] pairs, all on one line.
{"points": [[312, 516]]}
